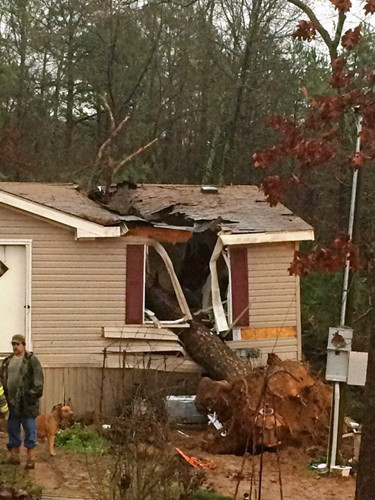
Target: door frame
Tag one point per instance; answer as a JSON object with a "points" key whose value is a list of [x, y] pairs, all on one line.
{"points": [[28, 248]]}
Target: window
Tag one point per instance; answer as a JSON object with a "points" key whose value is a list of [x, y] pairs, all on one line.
{"points": [[136, 312]]}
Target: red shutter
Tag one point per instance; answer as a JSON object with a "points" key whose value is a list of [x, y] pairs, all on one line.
{"points": [[135, 269], [239, 285]]}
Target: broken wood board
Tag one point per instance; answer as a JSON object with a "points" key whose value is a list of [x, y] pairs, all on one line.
{"points": [[139, 332], [268, 332]]}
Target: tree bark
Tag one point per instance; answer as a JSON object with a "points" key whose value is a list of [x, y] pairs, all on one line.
{"points": [[366, 477], [207, 349]]}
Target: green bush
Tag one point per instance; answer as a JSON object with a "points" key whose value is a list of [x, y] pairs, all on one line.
{"points": [[81, 440]]}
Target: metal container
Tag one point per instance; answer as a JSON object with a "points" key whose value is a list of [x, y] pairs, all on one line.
{"points": [[182, 410]]}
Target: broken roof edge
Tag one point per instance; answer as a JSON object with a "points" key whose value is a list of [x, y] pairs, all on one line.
{"points": [[266, 237], [84, 228]]}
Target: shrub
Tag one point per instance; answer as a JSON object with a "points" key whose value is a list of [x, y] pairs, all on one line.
{"points": [[81, 440]]}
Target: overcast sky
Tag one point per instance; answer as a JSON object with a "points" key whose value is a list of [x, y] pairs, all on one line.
{"points": [[327, 14]]}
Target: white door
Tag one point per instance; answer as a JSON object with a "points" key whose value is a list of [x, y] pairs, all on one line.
{"points": [[13, 307]]}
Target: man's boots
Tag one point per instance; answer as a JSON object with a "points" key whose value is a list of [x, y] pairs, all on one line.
{"points": [[30, 463], [14, 458]]}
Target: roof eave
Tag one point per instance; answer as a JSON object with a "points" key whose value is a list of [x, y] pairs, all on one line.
{"points": [[84, 228], [267, 237]]}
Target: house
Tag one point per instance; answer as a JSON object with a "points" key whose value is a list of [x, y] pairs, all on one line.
{"points": [[74, 270]]}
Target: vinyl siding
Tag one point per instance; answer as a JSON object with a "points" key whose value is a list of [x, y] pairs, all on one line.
{"points": [[272, 291], [273, 297]]}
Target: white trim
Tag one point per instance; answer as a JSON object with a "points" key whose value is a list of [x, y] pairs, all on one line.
{"points": [[168, 324], [145, 255], [85, 229], [28, 248], [298, 311], [266, 237], [176, 284], [217, 305]]}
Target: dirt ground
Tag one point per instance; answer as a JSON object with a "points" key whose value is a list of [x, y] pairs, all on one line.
{"points": [[72, 475]]}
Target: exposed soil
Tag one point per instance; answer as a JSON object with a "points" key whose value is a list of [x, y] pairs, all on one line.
{"points": [[281, 400], [72, 475]]}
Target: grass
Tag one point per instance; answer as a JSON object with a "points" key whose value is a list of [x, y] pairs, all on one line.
{"points": [[81, 440]]}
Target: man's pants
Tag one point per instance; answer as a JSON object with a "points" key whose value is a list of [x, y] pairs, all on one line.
{"points": [[14, 430]]}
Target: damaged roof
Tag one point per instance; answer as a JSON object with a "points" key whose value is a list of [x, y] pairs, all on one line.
{"points": [[236, 209], [63, 197]]}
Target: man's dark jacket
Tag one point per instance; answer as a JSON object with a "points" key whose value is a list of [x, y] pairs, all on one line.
{"points": [[30, 386]]}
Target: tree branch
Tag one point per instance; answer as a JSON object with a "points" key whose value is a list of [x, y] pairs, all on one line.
{"points": [[114, 131], [133, 155], [332, 47]]}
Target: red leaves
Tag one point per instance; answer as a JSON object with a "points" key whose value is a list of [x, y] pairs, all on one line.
{"points": [[343, 5], [351, 38], [274, 188], [311, 152], [329, 107], [308, 152], [305, 31], [339, 76], [369, 7], [327, 260], [264, 158], [358, 159]]}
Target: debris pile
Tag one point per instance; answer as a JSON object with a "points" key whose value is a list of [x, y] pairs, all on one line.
{"points": [[277, 404]]}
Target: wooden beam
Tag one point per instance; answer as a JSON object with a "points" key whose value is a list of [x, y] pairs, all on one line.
{"points": [[161, 234]]}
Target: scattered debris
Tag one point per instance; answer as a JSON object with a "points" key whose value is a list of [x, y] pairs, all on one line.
{"points": [[182, 410], [183, 434], [212, 419], [199, 463]]}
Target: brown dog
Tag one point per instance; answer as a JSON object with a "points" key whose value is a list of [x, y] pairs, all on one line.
{"points": [[48, 424]]}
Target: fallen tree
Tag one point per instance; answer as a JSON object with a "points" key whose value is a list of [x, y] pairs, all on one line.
{"points": [[208, 350], [280, 403], [257, 407]]}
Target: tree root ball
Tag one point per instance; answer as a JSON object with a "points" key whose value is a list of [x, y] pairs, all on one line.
{"points": [[274, 405]]}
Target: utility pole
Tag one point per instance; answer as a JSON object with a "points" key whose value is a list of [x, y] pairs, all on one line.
{"points": [[338, 386]]}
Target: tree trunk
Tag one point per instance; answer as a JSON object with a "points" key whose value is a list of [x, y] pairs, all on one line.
{"points": [[208, 350], [366, 477]]}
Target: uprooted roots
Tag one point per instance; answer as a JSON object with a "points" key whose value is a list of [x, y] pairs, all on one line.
{"points": [[278, 404]]}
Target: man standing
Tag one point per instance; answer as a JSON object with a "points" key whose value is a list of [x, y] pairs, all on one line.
{"points": [[22, 377]]}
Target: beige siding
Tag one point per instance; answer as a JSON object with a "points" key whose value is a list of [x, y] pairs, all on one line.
{"points": [[78, 290], [272, 291], [285, 348], [78, 287], [273, 295]]}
